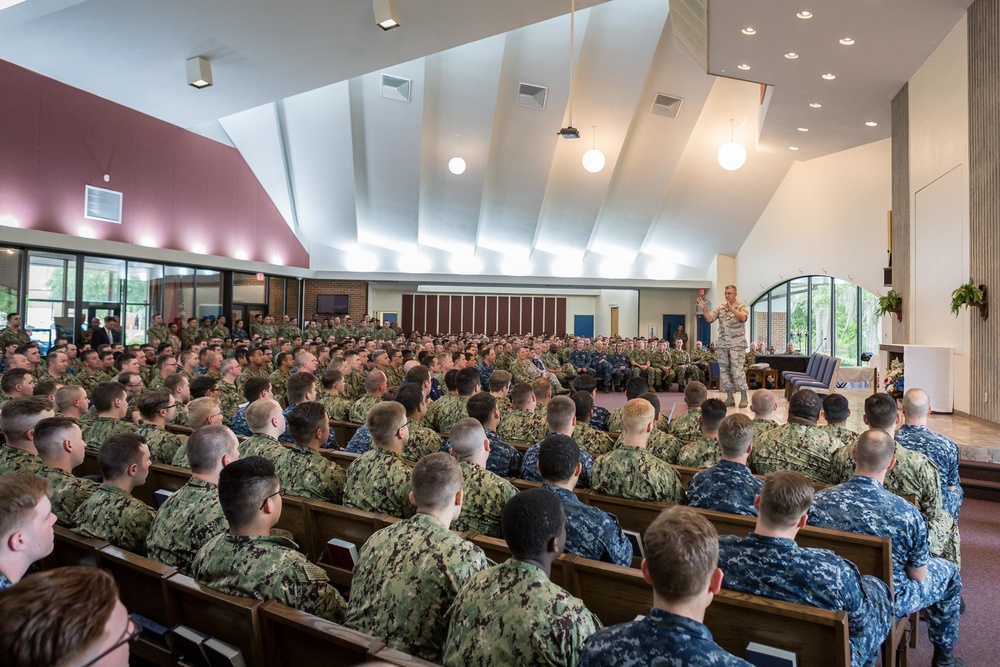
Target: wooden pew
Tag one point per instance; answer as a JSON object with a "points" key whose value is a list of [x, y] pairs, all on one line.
{"points": [[632, 514], [292, 638], [227, 618], [163, 476], [183, 431], [394, 657], [293, 519], [344, 431], [343, 459], [525, 484], [327, 521], [89, 465], [72, 549]]}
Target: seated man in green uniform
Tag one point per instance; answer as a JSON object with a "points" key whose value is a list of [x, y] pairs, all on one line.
{"points": [[248, 561], [61, 448], [18, 421], [486, 493], [379, 481], [303, 471]]}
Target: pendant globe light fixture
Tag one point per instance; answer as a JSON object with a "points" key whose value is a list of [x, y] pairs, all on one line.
{"points": [[456, 165], [593, 160], [732, 155]]}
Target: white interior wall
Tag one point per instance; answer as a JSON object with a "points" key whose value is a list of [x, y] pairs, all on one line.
{"points": [[655, 303], [627, 301]]}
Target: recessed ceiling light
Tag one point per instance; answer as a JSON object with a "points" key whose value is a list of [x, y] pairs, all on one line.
{"points": [[815, 105], [793, 148], [871, 123], [803, 129], [805, 15], [829, 77], [847, 41], [749, 31], [743, 66], [791, 55]]}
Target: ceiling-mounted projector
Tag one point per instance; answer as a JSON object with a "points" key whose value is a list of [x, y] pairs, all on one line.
{"points": [[569, 133]]}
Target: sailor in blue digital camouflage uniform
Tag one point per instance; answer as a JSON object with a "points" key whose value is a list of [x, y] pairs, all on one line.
{"points": [[682, 551], [728, 486], [915, 435], [769, 563], [590, 532], [561, 418], [862, 505], [591, 363]]}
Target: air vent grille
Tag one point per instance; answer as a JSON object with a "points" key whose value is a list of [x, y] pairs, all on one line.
{"points": [[531, 96], [102, 204], [666, 105], [395, 88]]}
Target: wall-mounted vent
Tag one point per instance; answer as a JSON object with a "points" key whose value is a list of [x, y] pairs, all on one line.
{"points": [[102, 204], [531, 96], [395, 88], [666, 105]]}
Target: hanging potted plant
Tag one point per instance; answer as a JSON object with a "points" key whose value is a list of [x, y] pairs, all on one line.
{"points": [[891, 303], [969, 295]]}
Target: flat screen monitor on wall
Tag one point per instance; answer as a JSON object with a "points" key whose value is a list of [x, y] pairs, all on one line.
{"points": [[333, 304]]}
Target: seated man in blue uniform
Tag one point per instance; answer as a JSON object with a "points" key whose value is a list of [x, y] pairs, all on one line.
{"points": [[682, 552], [728, 486], [769, 563], [862, 505]]}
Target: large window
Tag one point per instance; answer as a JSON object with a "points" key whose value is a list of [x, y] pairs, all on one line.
{"points": [[51, 296], [10, 282], [818, 314]]}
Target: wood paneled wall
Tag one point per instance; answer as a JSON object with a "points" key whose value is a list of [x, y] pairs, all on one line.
{"points": [[483, 313], [901, 210], [984, 203]]}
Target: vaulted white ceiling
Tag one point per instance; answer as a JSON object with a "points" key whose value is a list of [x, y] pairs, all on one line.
{"points": [[363, 179]]}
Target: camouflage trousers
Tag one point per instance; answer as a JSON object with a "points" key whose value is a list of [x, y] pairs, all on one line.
{"points": [[731, 373], [603, 372], [940, 595], [943, 535]]}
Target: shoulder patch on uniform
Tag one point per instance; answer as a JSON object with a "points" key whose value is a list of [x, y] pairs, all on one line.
{"points": [[314, 572]]}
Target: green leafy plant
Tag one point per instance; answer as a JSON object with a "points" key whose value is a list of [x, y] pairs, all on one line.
{"points": [[890, 303], [968, 295]]}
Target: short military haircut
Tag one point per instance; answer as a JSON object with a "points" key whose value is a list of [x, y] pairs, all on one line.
{"points": [[56, 617], [763, 402], [467, 381], [299, 386], [254, 387], [330, 378], [558, 455], [244, 485], [636, 414], [713, 411], [559, 413], [682, 552], [653, 400], [118, 453], [451, 379], [466, 437], [20, 415], [260, 413], [418, 375], [46, 388], [784, 497], [584, 382], [542, 389], [695, 394], [635, 387], [67, 394], [304, 420], [384, 419], [208, 445], [805, 404], [521, 395], [105, 395], [200, 410], [19, 495], [529, 520], [410, 396], [50, 433], [500, 379], [12, 378], [436, 479], [201, 385], [873, 451], [123, 359], [881, 410], [735, 434], [916, 402], [374, 380], [584, 403], [281, 358], [152, 401], [481, 406], [174, 381], [835, 407]]}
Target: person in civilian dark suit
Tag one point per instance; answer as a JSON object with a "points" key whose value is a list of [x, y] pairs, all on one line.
{"points": [[109, 335]]}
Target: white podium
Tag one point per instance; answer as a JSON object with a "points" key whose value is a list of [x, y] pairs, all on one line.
{"points": [[928, 367]]}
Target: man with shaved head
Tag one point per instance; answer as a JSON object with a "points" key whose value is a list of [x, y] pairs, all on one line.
{"points": [[485, 492], [915, 436]]}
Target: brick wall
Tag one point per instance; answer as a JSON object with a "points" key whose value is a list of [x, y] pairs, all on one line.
{"points": [[357, 290]]}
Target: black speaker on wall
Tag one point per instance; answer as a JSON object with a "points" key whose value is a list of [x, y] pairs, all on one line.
{"points": [[887, 276]]}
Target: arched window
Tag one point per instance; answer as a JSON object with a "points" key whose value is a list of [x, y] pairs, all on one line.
{"points": [[818, 314]]}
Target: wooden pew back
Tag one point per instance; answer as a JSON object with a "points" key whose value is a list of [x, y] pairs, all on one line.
{"points": [[327, 521], [292, 638], [73, 549]]}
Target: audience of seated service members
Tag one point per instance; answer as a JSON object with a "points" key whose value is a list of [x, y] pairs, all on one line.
{"points": [[630, 470], [915, 436], [520, 423], [560, 418], [192, 515], [61, 448], [247, 560], [26, 521], [302, 470], [686, 426], [485, 492], [111, 513], [408, 574], [202, 412], [590, 531], [511, 613], [378, 480], [763, 403], [728, 486], [769, 563], [703, 451], [681, 565], [799, 445], [863, 505], [18, 421], [91, 629]]}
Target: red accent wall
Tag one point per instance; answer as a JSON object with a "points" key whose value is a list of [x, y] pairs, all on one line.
{"points": [[180, 189]]}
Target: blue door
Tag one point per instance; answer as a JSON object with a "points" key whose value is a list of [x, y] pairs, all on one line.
{"points": [[583, 325], [670, 324], [704, 331]]}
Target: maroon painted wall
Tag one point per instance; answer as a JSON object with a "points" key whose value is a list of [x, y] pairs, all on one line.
{"points": [[181, 190]]}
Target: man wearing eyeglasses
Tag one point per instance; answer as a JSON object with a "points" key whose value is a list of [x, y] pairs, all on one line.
{"points": [[202, 412], [250, 562], [157, 408]]}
